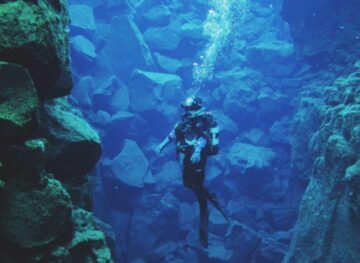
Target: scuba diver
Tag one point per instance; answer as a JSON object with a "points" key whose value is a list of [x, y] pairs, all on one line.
{"points": [[196, 136]]}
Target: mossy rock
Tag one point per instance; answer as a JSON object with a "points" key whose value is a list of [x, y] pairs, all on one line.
{"points": [[35, 35], [88, 242], [74, 146], [19, 105], [24, 161], [36, 217]]}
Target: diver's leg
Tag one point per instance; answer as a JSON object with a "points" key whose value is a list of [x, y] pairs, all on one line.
{"points": [[193, 178], [204, 216], [201, 195]]}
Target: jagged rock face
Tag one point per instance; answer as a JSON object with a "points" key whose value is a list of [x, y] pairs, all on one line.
{"points": [[38, 221], [74, 145], [327, 229], [36, 37], [321, 28], [19, 107], [34, 218]]}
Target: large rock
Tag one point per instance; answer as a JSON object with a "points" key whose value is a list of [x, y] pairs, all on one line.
{"points": [[82, 18], [148, 89], [83, 52], [163, 38], [112, 96], [123, 125], [36, 217], [126, 49], [83, 91], [243, 241], [168, 64], [24, 161], [246, 156], [88, 243], [158, 15], [192, 29], [35, 35], [74, 145], [131, 166], [19, 107]]}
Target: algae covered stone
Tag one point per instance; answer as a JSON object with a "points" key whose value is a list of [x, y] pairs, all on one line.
{"points": [[36, 217], [19, 103], [74, 145], [88, 242], [35, 35]]}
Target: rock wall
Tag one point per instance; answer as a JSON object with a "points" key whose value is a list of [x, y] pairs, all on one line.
{"points": [[46, 149], [325, 131]]}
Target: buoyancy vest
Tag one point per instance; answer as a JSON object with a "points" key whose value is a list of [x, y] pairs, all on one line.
{"points": [[196, 124]]}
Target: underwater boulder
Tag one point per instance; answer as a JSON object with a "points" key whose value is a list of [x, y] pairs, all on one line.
{"points": [[163, 38], [120, 100], [168, 64], [24, 161], [82, 19], [81, 94], [109, 8], [279, 132], [19, 107], [40, 45], [158, 15], [254, 136], [192, 29], [270, 50], [74, 145], [130, 166], [32, 218], [242, 240], [83, 51], [126, 49], [168, 176], [88, 243], [123, 125], [243, 156], [269, 251], [153, 225], [219, 253], [112, 96], [148, 89]]}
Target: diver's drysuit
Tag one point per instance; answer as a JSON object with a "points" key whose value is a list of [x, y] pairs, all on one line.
{"points": [[196, 137]]}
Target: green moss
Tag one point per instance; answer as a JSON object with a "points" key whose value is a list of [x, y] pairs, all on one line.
{"points": [[20, 105], [36, 37]]}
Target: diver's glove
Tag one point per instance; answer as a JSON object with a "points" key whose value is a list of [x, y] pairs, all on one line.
{"points": [[196, 156]]}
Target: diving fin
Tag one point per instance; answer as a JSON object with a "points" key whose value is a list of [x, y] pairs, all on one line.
{"points": [[213, 200]]}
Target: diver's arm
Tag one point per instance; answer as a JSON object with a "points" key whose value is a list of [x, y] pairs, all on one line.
{"points": [[200, 144], [166, 141]]}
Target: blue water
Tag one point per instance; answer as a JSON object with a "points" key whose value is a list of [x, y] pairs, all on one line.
{"points": [[134, 62]]}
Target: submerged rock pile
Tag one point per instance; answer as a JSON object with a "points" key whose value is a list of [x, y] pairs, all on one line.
{"points": [[45, 149], [133, 64]]}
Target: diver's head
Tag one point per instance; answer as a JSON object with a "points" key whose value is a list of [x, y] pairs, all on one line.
{"points": [[192, 103]]}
